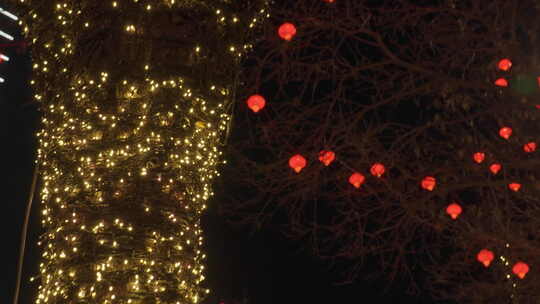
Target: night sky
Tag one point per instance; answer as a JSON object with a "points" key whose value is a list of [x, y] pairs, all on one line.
{"points": [[264, 267]]}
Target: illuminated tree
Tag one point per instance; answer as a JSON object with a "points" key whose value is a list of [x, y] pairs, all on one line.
{"points": [[135, 98], [412, 85]]}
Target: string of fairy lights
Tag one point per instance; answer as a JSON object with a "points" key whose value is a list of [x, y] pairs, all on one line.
{"points": [[130, 143]]}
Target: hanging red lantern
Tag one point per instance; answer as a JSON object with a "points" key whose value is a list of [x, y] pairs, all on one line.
{"points": [[495, 168], [377, 169], [297, 163], [520, 269], [505, 64], [287, 31], [357, 179], [454, 210], [501, 82], [479, 157], [327, 157], [429, 183], [505, 132], [514, 186], [538, 107], [256, 103], [529, 147], [485, 257]]}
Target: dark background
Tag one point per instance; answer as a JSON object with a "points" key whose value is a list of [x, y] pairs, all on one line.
{"points": [[261, 268]]}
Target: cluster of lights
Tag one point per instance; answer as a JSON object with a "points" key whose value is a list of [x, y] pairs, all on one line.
{"points": [[519, 268], [486, 256], [287, 31], [506, 132], [298, 162], [127, 159], [479, 158]]}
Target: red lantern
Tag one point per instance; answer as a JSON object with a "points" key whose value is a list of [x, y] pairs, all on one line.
{"points": [[529, 147], [495, 168], [429, 183], [505, 132], [479, 157], [485, 257], [520, 269], [297, 163], [514, 186], [287, 31], [327, 157], [501, 82], [538, 107], [256, 103], [454, 210], [505, 64], [357, 179], [329, 1], [377, 169]]}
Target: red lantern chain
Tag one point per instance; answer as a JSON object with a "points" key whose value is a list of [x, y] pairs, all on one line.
{"points": [[529, 147], [327, 157], [514, 186], [501, 82], [356, 179], [287, 31], [428, 183], [377, 169], [454, 210], [256, 103], [495, 168], [297, 163], [505, 132], [505, 64], [520, 269], [479, 157], [485, 257]]}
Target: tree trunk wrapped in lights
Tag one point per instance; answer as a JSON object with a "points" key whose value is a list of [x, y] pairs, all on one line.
{"points": [[135, 98]]}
